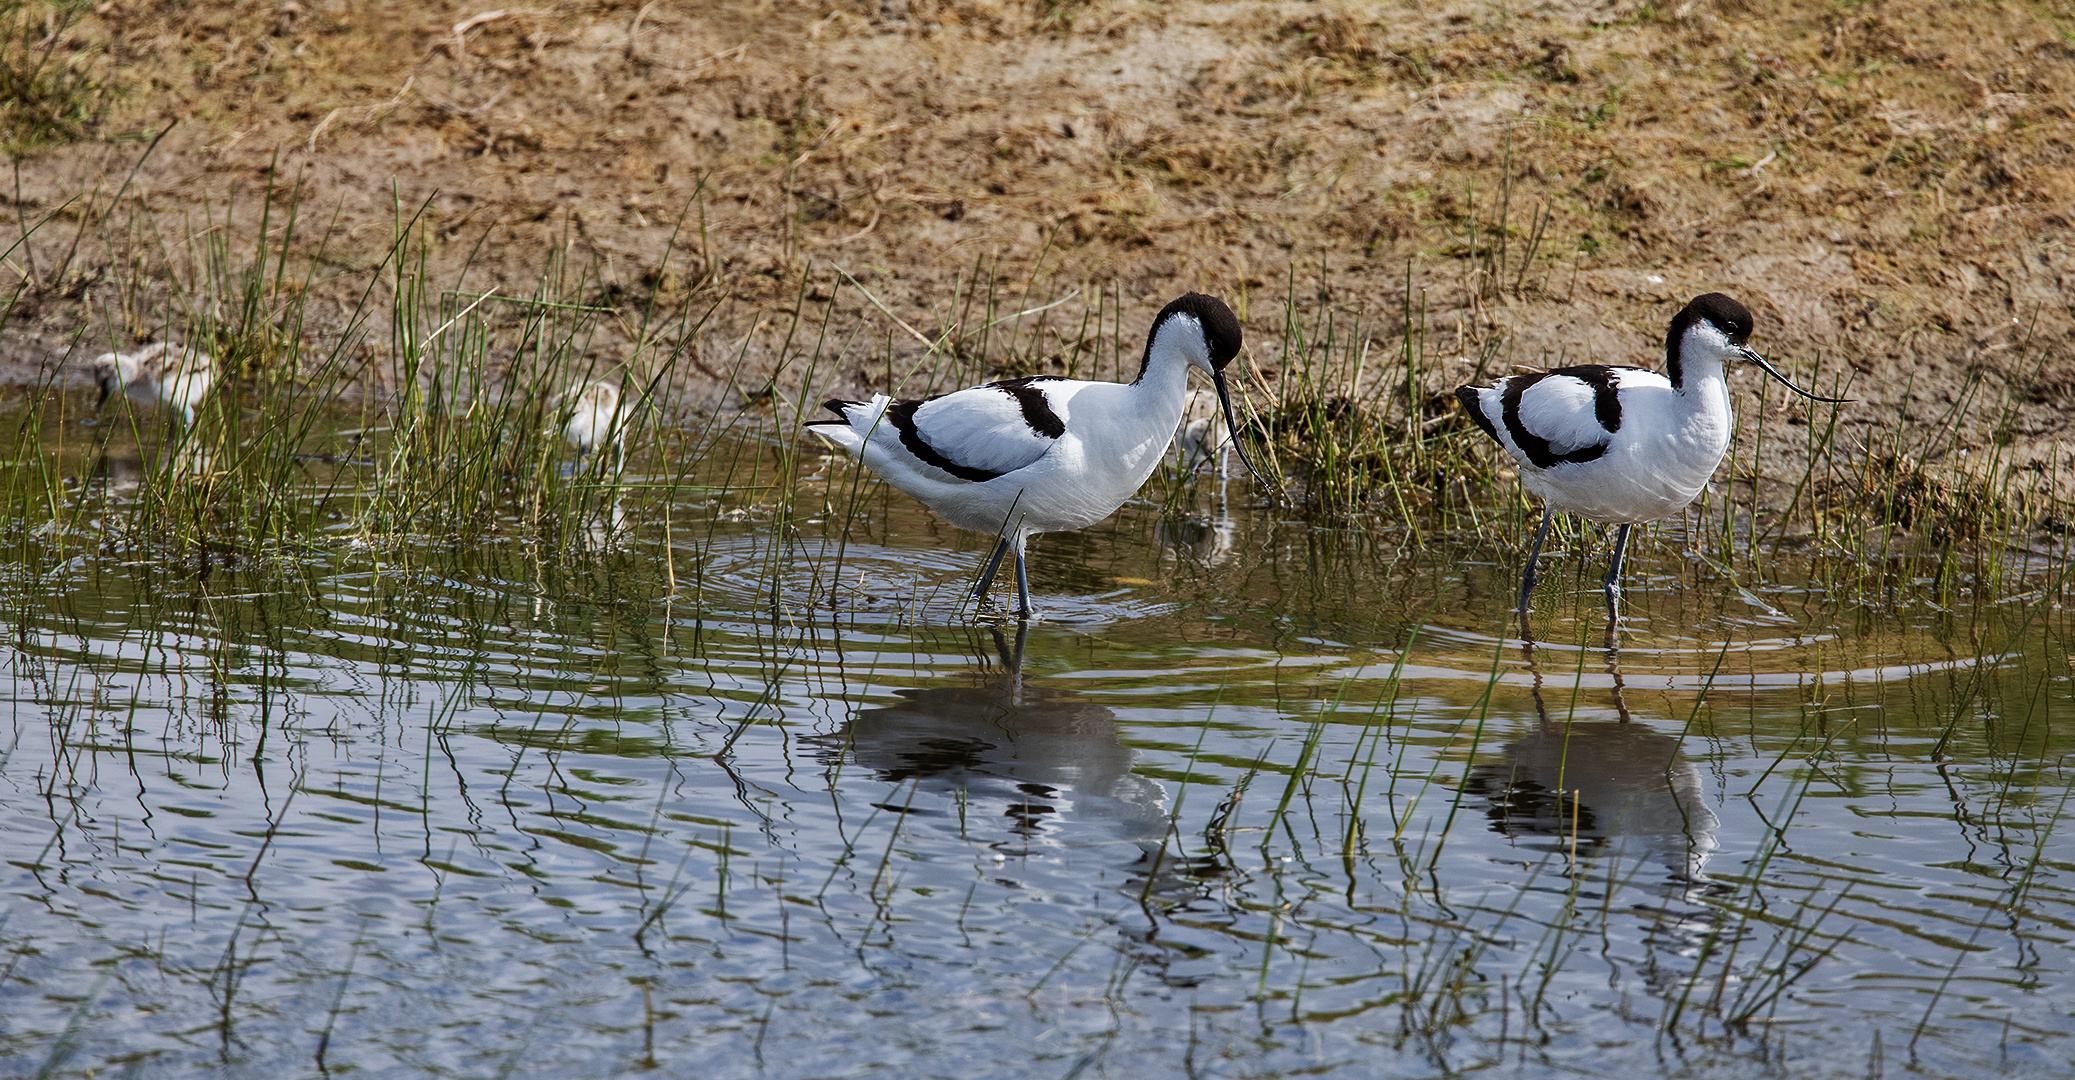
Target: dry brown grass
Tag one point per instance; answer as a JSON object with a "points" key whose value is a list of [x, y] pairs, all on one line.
{"points": [[1887, 183]]}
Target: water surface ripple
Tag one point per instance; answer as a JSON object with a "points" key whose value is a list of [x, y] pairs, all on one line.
{"points": [[1256, 803]]}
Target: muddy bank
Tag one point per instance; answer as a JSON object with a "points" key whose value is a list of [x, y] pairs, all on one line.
{"points": [[1886, 187]]}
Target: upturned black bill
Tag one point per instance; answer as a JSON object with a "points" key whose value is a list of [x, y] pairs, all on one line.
{"points": [[1752, 356], [1232, 425]]}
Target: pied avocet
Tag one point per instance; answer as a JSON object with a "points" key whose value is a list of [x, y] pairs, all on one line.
{"points": [[1044, 453], [1621, 445]]}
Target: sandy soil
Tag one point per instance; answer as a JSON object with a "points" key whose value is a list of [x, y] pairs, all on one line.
{"points": [[1887, 183]]}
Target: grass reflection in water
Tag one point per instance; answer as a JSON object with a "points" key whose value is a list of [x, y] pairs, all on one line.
{"points": [[1266, 799]]}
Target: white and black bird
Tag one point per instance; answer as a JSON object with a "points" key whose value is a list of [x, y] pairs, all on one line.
{"points": [[1621, 445], [1045, 453], [163, 373]]}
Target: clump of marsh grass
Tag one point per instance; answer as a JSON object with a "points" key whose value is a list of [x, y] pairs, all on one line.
{"points": [[421, 416], [50, 93], [1351, 425], [1942, 504]]}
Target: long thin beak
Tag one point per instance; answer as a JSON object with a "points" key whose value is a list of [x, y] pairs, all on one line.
{"points": [[1752, 356], [1217, 379]]}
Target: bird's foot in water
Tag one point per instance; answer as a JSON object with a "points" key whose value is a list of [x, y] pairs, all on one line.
{"points": [[986, 609]]}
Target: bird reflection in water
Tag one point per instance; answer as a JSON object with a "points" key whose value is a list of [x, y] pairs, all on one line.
{"points": [[1028, 772], [1599, 787], [1210, 541], [601, 525], [124, 467]]}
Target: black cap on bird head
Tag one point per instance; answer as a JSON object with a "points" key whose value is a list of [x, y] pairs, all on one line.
{"points": [[1221, 334], [1734, 321], [1220, 327], [1723, 312]]}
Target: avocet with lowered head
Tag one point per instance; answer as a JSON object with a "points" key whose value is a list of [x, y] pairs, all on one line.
{"points": [[1044, 453], [162, 373]]}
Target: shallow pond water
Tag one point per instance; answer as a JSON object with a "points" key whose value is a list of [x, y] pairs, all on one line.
{"points": [[752, 797]]}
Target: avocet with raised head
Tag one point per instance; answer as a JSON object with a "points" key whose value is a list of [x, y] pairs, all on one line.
{"points": [[163, 373], [1621, 445], [1044, 453]]}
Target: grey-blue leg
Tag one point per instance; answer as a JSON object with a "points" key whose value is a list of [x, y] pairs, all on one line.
{"points": [[1023, 608], [1527, 577], [1001, 547], [1613, 582]]}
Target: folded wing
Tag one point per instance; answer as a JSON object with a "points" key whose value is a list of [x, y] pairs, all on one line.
{"points": [[976, 434], [1563, 416]]}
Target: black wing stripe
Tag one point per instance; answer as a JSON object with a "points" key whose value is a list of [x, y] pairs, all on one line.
{"points": [[1037, 409], [902, 413], [1539, 453], [1475, 407], [1606, 395]]}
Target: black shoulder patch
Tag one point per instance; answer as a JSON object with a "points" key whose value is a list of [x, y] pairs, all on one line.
{"points": [[1606, 392], [839, 407], [902, 413], [1037, 408], [1538, 451]]}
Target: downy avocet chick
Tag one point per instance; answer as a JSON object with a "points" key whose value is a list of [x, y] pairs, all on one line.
{"points": [[591, 416], [1201, 438], [163, 373]]}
